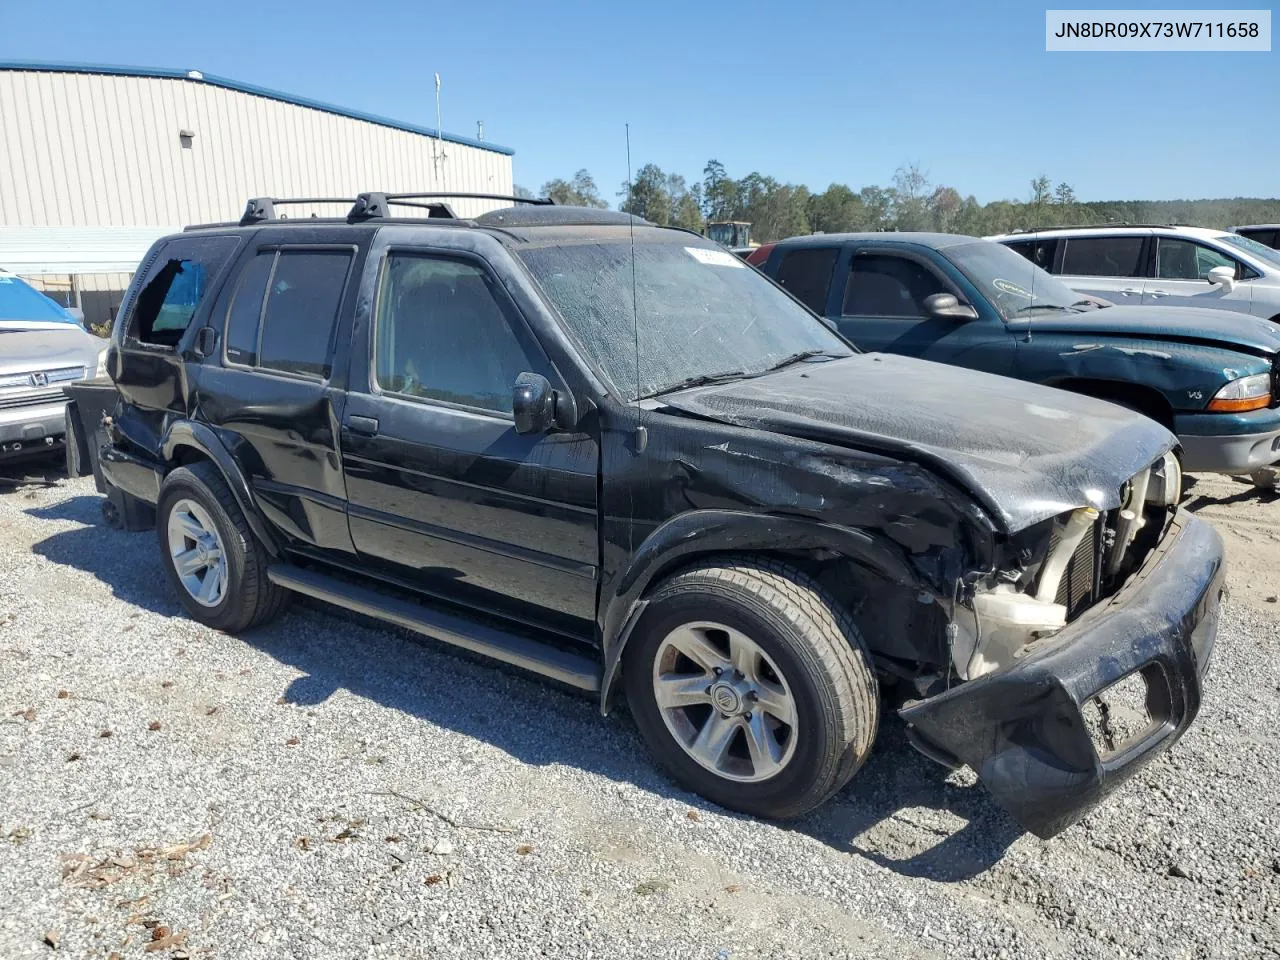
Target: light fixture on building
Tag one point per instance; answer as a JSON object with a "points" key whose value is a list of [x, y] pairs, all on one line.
{"points": [[185, 137]]}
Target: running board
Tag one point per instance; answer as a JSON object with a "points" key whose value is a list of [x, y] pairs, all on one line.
{"points": [[569, 668]]}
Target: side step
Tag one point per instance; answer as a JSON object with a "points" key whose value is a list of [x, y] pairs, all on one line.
{"points": [[570, 668]]}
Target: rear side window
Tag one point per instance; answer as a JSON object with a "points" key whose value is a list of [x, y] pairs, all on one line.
{"points": [[1104, 257], [285, 309], [175, 285], [886, 286], [806, 273], [1039, 252]]}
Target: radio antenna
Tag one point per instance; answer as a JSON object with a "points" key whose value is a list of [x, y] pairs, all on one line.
{"points": [[642, 437]]}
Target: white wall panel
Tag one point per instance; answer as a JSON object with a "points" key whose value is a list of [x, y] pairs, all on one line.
{"points": [[91, 149]]}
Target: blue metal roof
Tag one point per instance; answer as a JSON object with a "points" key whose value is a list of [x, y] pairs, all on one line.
{"points": [[197, 76]]}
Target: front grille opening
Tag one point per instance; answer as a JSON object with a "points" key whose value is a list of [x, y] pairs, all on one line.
{"points": [[1128, 711]]}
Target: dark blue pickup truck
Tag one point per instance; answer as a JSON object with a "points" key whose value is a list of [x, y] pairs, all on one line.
{"points": [[1209, 376]]}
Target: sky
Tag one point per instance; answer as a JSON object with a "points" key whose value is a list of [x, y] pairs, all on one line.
{"points": [[807, 92]]}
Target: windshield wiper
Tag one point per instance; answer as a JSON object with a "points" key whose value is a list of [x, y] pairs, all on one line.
{"points": [[701, 380], [802, 355]]}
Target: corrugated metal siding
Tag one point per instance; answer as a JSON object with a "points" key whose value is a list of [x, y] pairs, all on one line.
{"points": [[82, 149]]}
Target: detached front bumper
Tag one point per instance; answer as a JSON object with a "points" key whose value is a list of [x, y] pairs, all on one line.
{"points": [[1025, 730]]}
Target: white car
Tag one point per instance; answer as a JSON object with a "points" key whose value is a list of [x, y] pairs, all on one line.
{"points": [[1159, 266]]}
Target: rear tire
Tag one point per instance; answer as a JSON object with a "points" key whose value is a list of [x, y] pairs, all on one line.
{"points": [[199, 526], [787, 652]]}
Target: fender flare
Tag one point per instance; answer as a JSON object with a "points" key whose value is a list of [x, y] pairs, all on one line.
{"points": [[704, 532], [187, 433]]}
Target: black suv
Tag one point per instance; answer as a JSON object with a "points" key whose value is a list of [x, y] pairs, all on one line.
{"points": [[616, 455]]}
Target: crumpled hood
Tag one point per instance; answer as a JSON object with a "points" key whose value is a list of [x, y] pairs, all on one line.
{"points": [[1026, 452], [24, 348], [1186, 324]]}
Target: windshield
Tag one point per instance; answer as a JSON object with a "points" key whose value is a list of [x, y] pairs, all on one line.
{"points": [[1011, 282], [698, 311], [19, 301], [1259, 250]]}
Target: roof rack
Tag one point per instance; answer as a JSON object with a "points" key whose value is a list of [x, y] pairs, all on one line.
{"points": [[1095, 226], [377, 205]]}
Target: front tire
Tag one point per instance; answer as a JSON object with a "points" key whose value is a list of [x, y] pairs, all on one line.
{"points": [[213, 562], [752, 686]]}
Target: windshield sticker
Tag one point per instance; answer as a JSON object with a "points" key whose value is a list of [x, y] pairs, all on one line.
{"points": [[715, 258], [1008, 286]]}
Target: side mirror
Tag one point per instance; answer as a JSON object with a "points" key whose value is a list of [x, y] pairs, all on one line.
{"points": [[945, 306], [533, 402], [1224, 277], [830, 324]]}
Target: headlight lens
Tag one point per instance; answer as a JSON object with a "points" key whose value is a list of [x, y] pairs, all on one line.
{"points": [[1246, 393], [102, 365]]}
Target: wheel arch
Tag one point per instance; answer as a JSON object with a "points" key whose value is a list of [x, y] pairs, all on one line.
{"points": [[186, 441], [701, 535], [1146, 400]]}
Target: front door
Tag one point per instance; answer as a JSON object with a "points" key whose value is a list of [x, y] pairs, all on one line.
{"points": [[1182, 277], [444, 494], [881, 307]]}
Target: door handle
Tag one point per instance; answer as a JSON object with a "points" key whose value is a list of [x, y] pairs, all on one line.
{"points": [[1158, 293], [364, 425], [1130, 292]]}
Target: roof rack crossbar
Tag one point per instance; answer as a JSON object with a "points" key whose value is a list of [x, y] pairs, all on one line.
{"points": [[259, 209], [533, 201]]}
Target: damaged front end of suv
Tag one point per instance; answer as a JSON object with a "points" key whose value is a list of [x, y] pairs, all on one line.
{"points": [[1074, 661]]}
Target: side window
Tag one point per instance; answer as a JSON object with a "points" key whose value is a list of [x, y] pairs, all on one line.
{"points": [[806, 273], [302, 290], [175, 285], [1186, 260], [442, 334], [302, 308], [246, 310], [1271, 238], [1103, 257], [886, 286]]}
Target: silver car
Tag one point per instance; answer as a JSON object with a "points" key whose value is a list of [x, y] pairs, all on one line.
{"points": [[1159, 266], [42, 348]]}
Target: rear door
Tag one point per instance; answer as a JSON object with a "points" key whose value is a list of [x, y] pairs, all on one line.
{"points": [[878, 303], [1112, 266], [1181, 277], [444, 494], [273, 389]]}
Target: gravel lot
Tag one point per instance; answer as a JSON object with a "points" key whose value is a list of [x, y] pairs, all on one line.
{"points": [[366, 794]]}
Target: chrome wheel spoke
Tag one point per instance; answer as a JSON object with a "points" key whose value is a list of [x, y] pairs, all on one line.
{"points": [[744, 655], [772, 699], [674, 691], [762, 744], [693, 643], [190, 526], [709, 747], [189, 563], [212, 585]]}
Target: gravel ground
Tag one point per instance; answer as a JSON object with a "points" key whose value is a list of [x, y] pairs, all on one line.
{"points": [[327, 788]]}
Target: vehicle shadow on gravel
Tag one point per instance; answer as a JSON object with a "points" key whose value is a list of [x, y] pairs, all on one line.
{"points": [[901, 812], [904, 813], [128, 563]]}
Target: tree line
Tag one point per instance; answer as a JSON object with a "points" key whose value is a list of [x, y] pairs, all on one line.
{"points": [[911, 202]]}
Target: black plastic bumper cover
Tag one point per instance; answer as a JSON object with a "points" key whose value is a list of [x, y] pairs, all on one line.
{"points": [[1023, 729]]}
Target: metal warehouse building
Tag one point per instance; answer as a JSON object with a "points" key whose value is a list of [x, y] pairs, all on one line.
{"points": [[98, 161]]}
